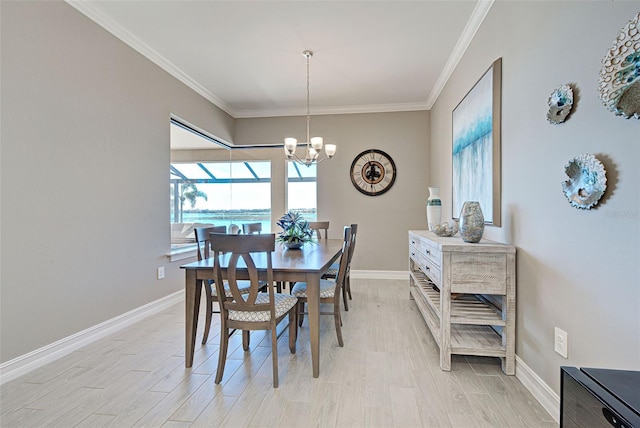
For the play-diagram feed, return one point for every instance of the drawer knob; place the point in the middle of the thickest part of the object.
(426, 267)
(428, 252)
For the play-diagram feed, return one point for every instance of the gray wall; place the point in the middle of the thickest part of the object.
(382, 220)
(85, 150)
(577, 269)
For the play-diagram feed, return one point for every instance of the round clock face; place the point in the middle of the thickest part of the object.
(373, 172)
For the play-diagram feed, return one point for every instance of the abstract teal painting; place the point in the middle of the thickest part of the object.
(476, 147)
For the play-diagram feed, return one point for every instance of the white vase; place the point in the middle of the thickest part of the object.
(434, 208)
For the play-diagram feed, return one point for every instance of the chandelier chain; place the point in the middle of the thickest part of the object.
(308, 96)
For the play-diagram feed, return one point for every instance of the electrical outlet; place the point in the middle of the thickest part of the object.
(161, 272)
(560, 341)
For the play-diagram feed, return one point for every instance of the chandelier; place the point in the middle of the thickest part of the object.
(314, 145)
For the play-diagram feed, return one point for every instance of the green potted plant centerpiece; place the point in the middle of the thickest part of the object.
(295, 230)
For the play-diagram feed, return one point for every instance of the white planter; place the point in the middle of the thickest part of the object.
(434, 208)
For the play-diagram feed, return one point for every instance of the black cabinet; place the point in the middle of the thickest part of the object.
(593, 398)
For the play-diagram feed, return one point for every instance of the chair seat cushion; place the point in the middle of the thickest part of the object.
(243, 286)
(332, 272)
(327, 289)
(283, 303)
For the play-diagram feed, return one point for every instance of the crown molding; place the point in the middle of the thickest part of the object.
(372, 108)
(91, 12)
(473, 24)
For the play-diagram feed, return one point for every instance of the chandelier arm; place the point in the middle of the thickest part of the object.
(304, 162)
(322, 159)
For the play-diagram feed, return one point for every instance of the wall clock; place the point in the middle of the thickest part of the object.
(373, 172)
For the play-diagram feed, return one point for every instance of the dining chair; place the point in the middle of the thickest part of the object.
(332, 272)
(234, 229)
(251, 228)
(330, 290)
(202, 239)
(255, 310)
(318, 227)
(203, 246)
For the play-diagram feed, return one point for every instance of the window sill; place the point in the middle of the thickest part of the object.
(182, 252)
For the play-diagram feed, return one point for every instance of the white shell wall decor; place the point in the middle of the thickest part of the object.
(587, 181)
(560, 104)
(619, 85)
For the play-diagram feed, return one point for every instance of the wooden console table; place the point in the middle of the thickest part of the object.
(466, 294)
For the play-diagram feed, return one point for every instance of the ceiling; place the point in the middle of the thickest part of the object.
(246, 56)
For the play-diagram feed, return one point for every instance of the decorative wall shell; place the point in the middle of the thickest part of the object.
(587, 181)
(619, 85)
(560, 104)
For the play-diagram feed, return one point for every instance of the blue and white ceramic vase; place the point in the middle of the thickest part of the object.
(471, 222)
(434, 208)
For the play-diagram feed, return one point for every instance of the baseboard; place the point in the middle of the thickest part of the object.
(379, 274)
(539, 389)
(47, 354)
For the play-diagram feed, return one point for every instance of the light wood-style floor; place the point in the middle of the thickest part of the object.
(387, 375)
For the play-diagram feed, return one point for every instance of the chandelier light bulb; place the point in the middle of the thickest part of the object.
(316, 143)
(290, 146)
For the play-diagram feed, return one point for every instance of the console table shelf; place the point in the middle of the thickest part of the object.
(466, 295)
(465, 309)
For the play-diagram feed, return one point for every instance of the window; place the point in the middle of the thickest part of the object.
(219, 189)
(301, 190)
(220, 193)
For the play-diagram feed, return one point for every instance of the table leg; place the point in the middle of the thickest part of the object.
(193, 291)
(313, 303)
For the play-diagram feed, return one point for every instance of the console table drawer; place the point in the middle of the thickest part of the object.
(414, 253)
(475, 273)
(425, 264)
(432, 253)
(432, 270)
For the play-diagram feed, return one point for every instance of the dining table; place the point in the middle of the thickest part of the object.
(306, 264)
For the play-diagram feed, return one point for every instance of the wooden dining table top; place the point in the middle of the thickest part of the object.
(312, 257)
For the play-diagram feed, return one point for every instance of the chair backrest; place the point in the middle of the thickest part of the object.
(352, 248)
(251, 228)
(344, 261)
(234, 229)
(318, 227)
(202, 239)
(239, 250)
